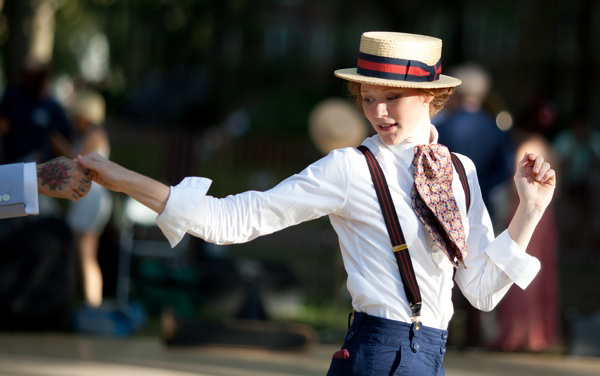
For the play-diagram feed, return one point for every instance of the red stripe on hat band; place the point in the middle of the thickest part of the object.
(392, 68)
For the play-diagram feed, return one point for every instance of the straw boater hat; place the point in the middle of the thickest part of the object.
(399, 60)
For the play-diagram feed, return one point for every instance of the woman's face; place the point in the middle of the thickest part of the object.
(397, 114)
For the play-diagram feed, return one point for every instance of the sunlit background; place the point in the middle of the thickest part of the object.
(226, 89)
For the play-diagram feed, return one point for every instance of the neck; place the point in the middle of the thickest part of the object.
(425, 133)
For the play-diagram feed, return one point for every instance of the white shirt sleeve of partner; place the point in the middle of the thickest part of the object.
(183, 206)
(318, 190)
(493, 265)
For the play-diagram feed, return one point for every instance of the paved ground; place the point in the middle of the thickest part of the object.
(71, 355)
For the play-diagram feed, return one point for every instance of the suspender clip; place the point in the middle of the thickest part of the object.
(417, 322)
(416, 314)
(416, 309)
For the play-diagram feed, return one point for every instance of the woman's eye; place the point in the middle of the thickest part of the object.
(367, 100)
(393, 97)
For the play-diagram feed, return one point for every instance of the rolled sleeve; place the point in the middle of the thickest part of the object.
(519, 266)
(493, 263)
(183, 206)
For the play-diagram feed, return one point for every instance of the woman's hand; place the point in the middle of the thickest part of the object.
(117, 178)
(105, 172)
(535, 181)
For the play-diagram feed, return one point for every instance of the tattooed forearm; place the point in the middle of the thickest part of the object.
(54, 174)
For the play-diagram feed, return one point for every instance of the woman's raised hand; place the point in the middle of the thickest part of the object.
(535, 180)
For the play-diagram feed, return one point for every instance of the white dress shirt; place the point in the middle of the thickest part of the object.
(339, 185)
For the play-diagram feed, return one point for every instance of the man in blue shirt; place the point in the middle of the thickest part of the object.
(467, 128)
(29, 117)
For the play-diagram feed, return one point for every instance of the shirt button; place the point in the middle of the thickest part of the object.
(442, 350)
(444, 335)
(6, 197)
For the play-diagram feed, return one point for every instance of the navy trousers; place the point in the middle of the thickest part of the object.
(378, 347)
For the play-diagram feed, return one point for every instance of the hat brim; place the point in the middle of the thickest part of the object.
(350, 74)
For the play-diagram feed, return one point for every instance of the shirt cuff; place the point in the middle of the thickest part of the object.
(519, 266)
(30, 188)
(183, 206)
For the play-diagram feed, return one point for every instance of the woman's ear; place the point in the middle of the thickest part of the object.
(427, 98)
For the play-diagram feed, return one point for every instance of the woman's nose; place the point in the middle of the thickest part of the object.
(381, 110)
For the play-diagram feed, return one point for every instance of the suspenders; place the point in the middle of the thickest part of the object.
(392, 224)
(462, 175)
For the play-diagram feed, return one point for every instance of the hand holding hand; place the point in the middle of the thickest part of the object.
(63, 178)
(535, 180)
(103, 171)
(117, 178)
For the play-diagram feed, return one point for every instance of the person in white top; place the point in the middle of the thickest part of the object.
(89, 217)
(398, 87)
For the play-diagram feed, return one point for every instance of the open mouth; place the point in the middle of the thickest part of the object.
(387, 126)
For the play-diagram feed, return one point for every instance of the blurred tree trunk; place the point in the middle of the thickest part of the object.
(42, 29)
(31, 29)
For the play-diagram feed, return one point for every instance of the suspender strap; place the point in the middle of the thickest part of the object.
(399, 246)
(462, 175)
(390, 217)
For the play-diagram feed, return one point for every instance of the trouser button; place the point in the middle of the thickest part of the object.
(415, 347)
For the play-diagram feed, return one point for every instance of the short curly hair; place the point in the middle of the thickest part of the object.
(440, 97)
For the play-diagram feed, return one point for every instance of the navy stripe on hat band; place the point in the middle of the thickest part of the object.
(392, 76)
(397, 69)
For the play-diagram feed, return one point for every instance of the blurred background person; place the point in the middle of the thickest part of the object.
(37, 285)
(578, 147)
(466, 127)
(89, 216)
(30, 117)
(528, 320)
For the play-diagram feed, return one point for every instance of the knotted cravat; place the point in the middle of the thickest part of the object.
(434, 202)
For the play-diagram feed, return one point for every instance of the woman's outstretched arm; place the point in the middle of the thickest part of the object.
(147, 191)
